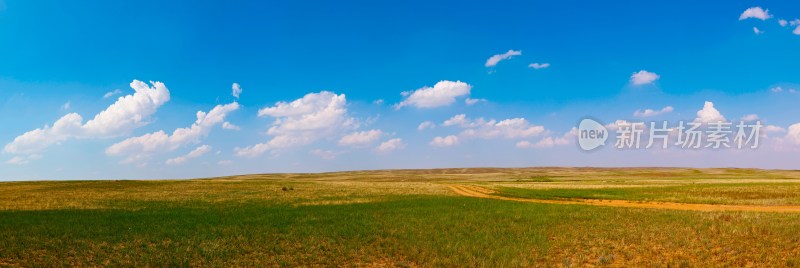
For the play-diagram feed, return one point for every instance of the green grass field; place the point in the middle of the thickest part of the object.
(405, 218)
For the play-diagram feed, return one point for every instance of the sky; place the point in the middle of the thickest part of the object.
(183, 89)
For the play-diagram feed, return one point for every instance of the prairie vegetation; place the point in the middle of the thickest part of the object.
(404, 218)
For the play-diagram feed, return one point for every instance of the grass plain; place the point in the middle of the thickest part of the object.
(405, 218)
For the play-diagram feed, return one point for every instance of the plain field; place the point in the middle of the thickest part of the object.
(407, 218)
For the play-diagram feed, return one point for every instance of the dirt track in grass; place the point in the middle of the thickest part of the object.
(480, 192)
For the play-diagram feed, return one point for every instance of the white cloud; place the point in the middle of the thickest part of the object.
(127, 113)
(508, 128)
(229, 126)
(796, 30)
(546, 142)
(197, 152)
(136, 147)
(793, 134)
(377, 102)
(756, 13)
(442, 94)
(470, 101)
(643, 77)
(140, 148)
(236, 90)
(779, 89)
(651, 112)
(325, 154)
(462, 121)
(709, 114)
(112, 93)
(23, 159)
(302, 121)
(66, 106)
(360, 138)
(426, 125)
(491, 129)
(549, 142)
(493, 60)
(757, 31)
(538, 66)
(456, 120)
(616, 124)
(444, 141)
(773, 129)
(749, 117)
(783, 22)
(391, 145)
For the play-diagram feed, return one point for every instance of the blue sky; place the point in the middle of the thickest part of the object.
(356, 58)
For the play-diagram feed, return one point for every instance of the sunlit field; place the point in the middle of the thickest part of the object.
(409, 218)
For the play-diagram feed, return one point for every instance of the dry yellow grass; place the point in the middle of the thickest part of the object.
(402, 218)
(361, 186)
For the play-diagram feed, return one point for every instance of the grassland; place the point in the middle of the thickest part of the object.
(404, 218)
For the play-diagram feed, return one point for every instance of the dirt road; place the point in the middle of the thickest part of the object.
(480, 192)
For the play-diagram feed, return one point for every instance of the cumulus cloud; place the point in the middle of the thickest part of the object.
(508, 128)
(480, 128)
(325, 154)
(197, 152)
(755, 13)
(783, 22)
(426, 125)
(444, 141)
(651, 112)
(23, 159)
(360, 138)
(538, 66)
(138, 149)
(782, 138)
(456, 120)
(757, 31)
(709, 114)
(229, 126)
(793, 134)
(461, 120)
(442, 94)
(112, 93)
(493, 60)
(470, 101)
(236, 90)
(619, 122)
(127, 113)
(750, 117)
(773, 129)
(390, 145)
(550, 141)
(302, 121)
(643, 77)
